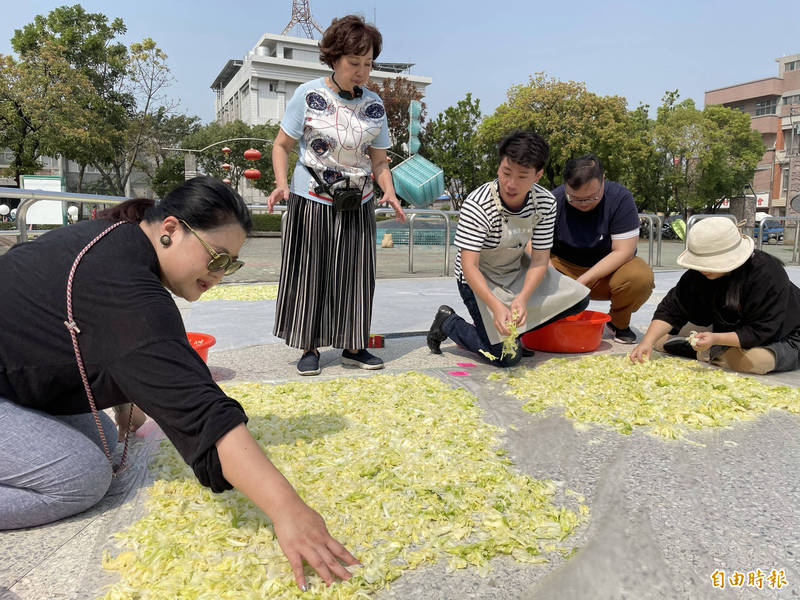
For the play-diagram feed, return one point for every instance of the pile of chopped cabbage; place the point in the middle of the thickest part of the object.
(669, 396)
(247, 293)
(402, 468)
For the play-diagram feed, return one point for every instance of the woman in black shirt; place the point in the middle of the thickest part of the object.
(106, 283)
(741, 301)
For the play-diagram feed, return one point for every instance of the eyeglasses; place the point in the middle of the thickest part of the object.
(218, 261)
(596, 197)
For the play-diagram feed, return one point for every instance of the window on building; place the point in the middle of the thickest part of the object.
(784, 180)
(273, 87)
(792, 66)
(766, 107)
(792, 99)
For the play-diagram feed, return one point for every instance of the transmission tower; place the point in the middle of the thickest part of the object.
(301, 15)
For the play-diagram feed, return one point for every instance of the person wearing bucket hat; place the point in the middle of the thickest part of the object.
(740, 300)
(88, 322)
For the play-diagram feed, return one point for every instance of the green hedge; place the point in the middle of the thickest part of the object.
(267, 222)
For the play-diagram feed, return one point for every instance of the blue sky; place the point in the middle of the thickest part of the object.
(633, 49)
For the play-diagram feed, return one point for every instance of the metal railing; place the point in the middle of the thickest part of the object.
(784, 221)
(411, 215)
(654, 222)
(29, 197)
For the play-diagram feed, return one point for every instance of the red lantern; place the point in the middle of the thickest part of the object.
(252, 173)
(252, 154)
(226, 166)
(226, 150)
(227, 181)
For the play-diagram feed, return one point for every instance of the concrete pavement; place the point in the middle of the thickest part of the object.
(665, 515)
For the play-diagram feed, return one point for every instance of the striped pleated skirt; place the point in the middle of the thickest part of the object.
(327, 276)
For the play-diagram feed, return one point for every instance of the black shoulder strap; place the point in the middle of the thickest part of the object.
(321, 188)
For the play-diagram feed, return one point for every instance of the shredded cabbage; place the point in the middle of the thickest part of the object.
(247, 293)
(402, 467)
(669, 396)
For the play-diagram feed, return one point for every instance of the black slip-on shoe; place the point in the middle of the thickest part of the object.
(435, 334)
(309, 363)
(361, 359)
(680, 347)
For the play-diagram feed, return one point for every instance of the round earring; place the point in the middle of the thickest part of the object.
(165, 240)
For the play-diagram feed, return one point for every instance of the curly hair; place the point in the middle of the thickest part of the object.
(349, 35)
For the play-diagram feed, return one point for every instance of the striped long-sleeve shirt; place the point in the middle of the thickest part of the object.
(480, 223)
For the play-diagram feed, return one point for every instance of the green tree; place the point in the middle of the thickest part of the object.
(679, 134)
(168, 175)
(147, 77)
(732, 151)
(210, 161)
(573, 120)
(646, 165)
(42, 101)
(397, 94)
(451, 142)
(86, 44)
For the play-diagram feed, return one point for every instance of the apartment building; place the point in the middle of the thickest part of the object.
(773, 104)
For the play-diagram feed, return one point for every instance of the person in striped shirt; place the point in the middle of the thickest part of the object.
(504, 236)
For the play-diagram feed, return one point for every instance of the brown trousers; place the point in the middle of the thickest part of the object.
(628, 287)
(753, 360)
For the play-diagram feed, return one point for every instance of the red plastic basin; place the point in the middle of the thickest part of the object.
(579, 333)
(201, 342)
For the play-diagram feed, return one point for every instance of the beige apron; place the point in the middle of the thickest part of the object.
(506, 266)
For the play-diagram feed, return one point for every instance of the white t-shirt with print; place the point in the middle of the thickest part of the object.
(334, 138)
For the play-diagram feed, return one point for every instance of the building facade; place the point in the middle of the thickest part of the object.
(92, 182)
(773, 104)
(257, 88)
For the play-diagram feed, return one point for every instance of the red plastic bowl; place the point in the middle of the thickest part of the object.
(201, 342)
(579, 333)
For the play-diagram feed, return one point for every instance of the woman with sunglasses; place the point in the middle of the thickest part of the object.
(328, 252)
(87, 322)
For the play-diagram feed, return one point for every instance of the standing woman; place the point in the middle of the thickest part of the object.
(87, 322)
(741, 301)
(328, 254)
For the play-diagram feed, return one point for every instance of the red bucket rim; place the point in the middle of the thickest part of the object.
(200, 340)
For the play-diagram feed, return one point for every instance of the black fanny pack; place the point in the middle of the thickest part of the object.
(344, 198)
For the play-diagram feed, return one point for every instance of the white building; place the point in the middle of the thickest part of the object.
(257, 88)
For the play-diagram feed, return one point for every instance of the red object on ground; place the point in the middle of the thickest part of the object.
(226, 150)
(201, 342)
(579, 333)
(252, 154)
(252, 173)
(375, 341)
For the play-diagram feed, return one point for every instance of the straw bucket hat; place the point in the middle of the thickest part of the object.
(715, 245)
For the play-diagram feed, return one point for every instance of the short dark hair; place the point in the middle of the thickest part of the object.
(203, 202)
(349, 35)
(525, 148)
(579, 171)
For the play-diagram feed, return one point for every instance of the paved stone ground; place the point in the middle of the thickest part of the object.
(665, 515)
